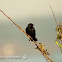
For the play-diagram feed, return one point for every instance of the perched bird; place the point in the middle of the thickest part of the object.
(30, 30)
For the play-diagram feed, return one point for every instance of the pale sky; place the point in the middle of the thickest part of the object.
(23, 8)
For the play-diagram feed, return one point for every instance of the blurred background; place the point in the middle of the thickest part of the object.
(14, 42)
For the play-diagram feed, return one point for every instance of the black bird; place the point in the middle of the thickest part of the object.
(30, 30)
